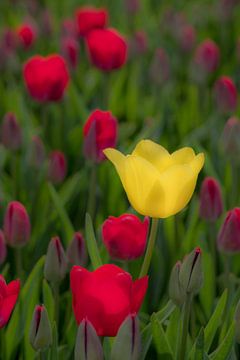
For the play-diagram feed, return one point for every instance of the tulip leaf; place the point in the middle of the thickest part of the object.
(92, 244)
(54, 347)
(215, 321)
(225, 348)
(127, 344)
(173, 328)
(160, 338)
(207, 292)
(48, 300)
(199, 348)
(20, 321)
(68, 227)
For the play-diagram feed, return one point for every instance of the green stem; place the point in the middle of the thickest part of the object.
(55, 288)
(212, 245)
(150, 247)
(185, 325)
(2, 344)
(41, 355)
(91, 207)
(234, 188)
(18, 262)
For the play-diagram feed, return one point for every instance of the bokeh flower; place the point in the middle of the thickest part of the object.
(89, 18)
(8, 296)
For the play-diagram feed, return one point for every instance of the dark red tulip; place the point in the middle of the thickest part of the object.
(207, 56)
(3, 248)
(27, 35)
(225, 94)
(211, 204)
(100, 132)
(76, 251)
(70, 50)
(17, 225)
(107, 49)
(228, 240)
(105, 296)
(125, 237)
(89, 18)
(11, 133)
(46, 78)
(57, 167)
(8, 296)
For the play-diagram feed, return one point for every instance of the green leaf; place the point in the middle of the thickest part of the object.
(199, 348)
(21, 318)
(48, 300)
(160, 338)
(207, 292)
(173, 328)
(92, 243)
(59, 206)
(215, 321)
(224, 349)
(54, 348)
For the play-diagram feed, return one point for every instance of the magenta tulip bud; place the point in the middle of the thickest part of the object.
(40, 335)
(225, 94)
(191, 273)
(207, 56)
(76, 251)
(187, 38)
(228, 240)
(17, 226)
(231, 138)
(211, 204)
(37, 152)
(56, 261)
(57, 167)
(11, 134)
(3, 248)
(70, 51)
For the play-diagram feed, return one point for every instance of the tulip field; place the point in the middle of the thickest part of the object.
(119, 180)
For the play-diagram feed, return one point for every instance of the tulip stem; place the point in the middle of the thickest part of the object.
(2, 344)
(41, 355)
(184, 327)
(91, 207)
(18, 262)
(55, 288)
(148, 254)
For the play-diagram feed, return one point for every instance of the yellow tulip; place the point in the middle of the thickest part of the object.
(158, 184)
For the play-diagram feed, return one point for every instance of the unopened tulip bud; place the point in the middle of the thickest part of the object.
(88, 345)
(57, 167)
(191, 273)
(211, 204)
(40, 330)
(138, 43)
(228, 240)
(3, 248)
(231, 138)
(11, 134)
(17, 226)
(70, 50)
(56, 261)
(187, 38)
(175, 290)
(207, 56)
(37, 152)
(76, 251)
(127, 344)
(225, 94)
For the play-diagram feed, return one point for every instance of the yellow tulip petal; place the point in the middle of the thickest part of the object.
(178, 183)
(154, 153)
(118, 160)
(183, 156)
(140, 178)
(197, 163)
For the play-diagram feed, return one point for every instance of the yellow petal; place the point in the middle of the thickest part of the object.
(183, 156)
(118, 160)
(154, 153)
(197, 163)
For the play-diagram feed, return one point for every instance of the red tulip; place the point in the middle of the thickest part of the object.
(228, 240)
(70, 50)
(17, 225)
(46, 78)
(211, 204)
(89, 18)
(27, 35)
(8, 297)
(57, 167)
(125, 236)
(105, 296)
(107, 49)
(207, 56)
(225, 94)
(100, 132)
(3, 248)
(11, 134)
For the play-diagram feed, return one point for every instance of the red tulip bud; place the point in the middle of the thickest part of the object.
(89, 18)
(69, 28)
(138, 43)
(57, 167)
(40, 331)
(70, 50)
(228, 240)
(100, 132)
(56, 261)
(211, 204)
(125, 236)
(225, 94)
(16, 225)
(187, 38)
(27, 35)
(47, 23)
(76, 251)
(11, 134)
(231, 138)
(3, 248)
(207, 56)
(191, 273)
